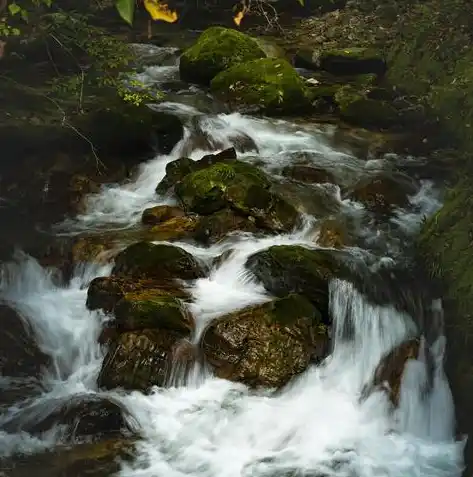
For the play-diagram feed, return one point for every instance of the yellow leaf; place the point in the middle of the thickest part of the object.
(239, 16)
(160, 11)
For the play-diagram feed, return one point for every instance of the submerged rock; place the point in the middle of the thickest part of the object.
(139, 359)
(266, 345)
(285, 269)
(157, 261)
(216, 50)
(92, 460)
(271, 85)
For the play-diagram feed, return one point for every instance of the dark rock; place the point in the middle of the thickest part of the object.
(157, 261)
(139, 360)
(266, 345)
(175, 172)
(309, 174)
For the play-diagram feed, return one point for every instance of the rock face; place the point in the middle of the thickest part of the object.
(388, 374)
(162, 262)
(285, 269)
(216, 50)
(266, 345)
(270, 85)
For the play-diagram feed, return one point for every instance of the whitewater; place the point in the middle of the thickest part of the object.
(320, 425)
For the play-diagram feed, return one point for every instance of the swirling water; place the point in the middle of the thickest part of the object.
(207, 427)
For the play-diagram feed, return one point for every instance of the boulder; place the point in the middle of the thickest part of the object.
(151, 309)
(176, 228)
(309, 174)
(139, 360)
(384, 192)
(270, 85)
(389, 372)
(157, 261)
(243, 188)
(212, 228)
(285, 269)
(90, 250)
(85, 418)
(343, 61)
(96, 459)
(333, 234)
(357, 108)
(216, 50)
(105, 292)
(20, 356)
(160, 213)
(266, 345)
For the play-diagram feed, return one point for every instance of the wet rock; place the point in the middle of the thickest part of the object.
(214, 227)
(285, 269)
(270, 85)
(158, 261)
(384, 192)
(139, 360)
(151, 309)
(216, 50)
(83, 417)
(177, 228)
(105, 292)
(91, 250)
(343, 61)
(161, 213)
(240, 186)
(91, 459)
(389, 372)
(20, 355)
(309, 174)
(266, 345)
(333, 234)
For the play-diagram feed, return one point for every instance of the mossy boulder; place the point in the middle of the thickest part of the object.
(240, 186)
(105, 292)
(357, 108)
(266, 345)
(216, 50)
(212, 228)
(151, 309)
(160, 213)
(158, 261)
(139, 360)
(384, 192)
(270, 85)
(285, 269)
(389, 372)
(343, 61)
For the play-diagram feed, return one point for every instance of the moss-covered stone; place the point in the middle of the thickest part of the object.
(271, 85)
(151, 309)
(266, 345)
(285, 269)
(352, 61)
(158, 261)
(216, 50)
(357, 108)
(175, 172)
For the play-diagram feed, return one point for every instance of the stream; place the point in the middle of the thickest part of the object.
(203, 426)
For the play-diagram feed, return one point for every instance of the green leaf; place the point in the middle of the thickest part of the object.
(126, 9)
(24, 15)
(14, 8)
(48, 3)
(301, 2)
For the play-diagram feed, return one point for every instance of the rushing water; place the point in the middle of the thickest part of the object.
(207, 427)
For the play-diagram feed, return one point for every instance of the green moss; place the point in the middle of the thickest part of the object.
(353, 53)
(287, 310)
(271, 84)
(149, 309)
(216, 50)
